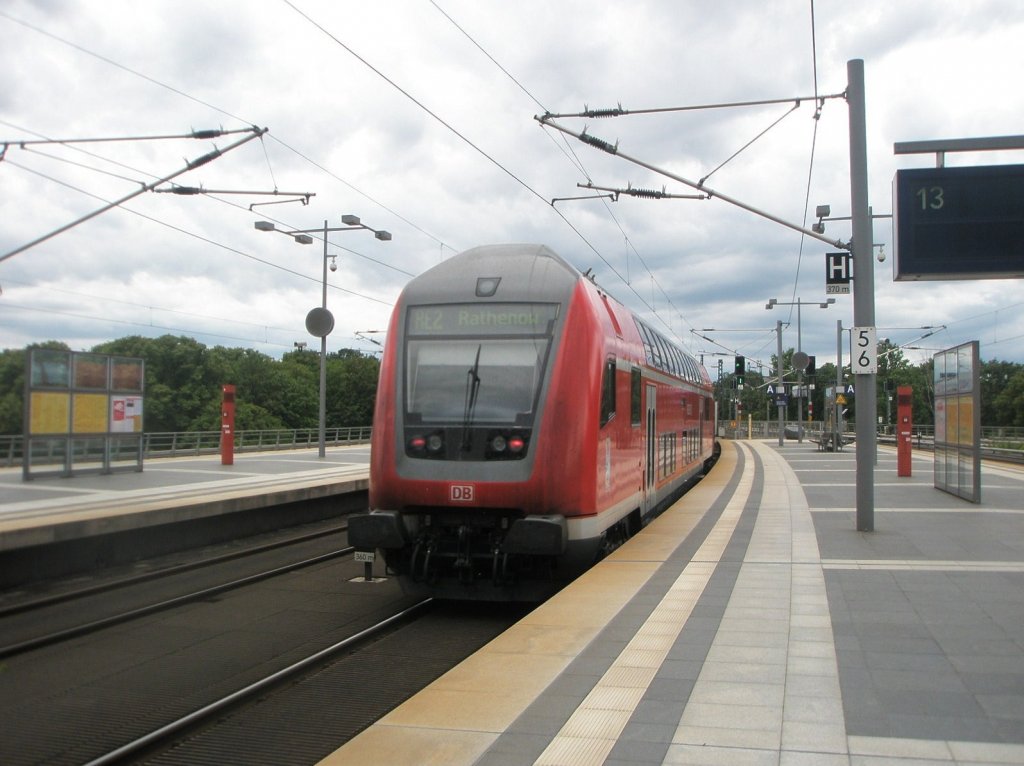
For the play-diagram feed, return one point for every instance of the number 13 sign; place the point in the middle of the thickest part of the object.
(864, 350)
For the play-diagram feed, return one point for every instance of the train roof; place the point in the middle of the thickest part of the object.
(523, 269)
(539, 272)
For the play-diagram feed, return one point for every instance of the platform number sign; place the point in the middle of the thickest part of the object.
(864, 350)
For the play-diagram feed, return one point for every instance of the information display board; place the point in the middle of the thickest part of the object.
(958, 421)
(958, 223)
(83, 413)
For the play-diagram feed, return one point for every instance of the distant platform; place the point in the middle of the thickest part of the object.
(48, 510)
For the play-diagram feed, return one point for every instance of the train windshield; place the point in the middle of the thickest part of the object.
(479, 363)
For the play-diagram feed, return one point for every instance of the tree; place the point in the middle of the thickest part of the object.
(1009, 402)
(995, 377)
(181, 384)
(351, 388)
(12, 387)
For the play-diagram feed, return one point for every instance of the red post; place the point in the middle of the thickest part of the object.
(227, 426)
(904, 418)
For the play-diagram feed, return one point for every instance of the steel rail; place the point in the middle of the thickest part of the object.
(166, 732)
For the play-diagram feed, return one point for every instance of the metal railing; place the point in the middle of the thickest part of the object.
(995, 440)
(1003, 442)
(185, 443)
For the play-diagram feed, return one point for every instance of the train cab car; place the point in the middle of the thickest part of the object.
(525, 424)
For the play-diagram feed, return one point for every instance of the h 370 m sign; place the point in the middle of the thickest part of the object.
(864, 350)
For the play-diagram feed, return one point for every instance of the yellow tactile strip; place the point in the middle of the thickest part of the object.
(455, 719)
(592, 731)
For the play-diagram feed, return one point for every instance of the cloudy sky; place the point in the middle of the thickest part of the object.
(418, 116)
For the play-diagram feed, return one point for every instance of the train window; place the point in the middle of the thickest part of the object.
(608, 392)
(635, 408)
(661, 351)
(660, 356)
(648, 338)
(505, 374)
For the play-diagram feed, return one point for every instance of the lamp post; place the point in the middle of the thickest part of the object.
(320, 321)
(800, 359)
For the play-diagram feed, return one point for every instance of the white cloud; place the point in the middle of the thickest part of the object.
(932, 71)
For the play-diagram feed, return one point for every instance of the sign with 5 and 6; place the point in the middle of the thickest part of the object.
(864, 350)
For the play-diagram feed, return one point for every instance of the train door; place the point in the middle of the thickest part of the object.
(651, 467)
(702, 434)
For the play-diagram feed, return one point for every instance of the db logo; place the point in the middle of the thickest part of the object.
(461, 493)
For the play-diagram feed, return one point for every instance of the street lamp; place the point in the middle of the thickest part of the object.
(800, 359)
(320, 321)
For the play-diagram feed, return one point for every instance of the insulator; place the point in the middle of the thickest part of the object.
(650, 193)
(599, 143)
(207, 133)
(598, 113)
(208, 157)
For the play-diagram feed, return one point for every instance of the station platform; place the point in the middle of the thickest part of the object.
(47, 510)
(752, 624)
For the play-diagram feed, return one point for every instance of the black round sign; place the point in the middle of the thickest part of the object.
(319, 322)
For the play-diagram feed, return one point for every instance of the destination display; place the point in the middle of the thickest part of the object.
(482, 318)
(958, 223)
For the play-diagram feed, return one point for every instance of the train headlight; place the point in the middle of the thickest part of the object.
(417, 443)
(506, 444)
(434, 443)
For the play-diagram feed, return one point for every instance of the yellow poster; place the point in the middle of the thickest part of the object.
(90, 414)
(966, 425)
(49, 412)
(952, 420)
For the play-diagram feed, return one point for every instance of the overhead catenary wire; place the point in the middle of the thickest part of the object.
(137, 323)
(177, 91)
(575, 160)
(457, 133)
(560, 140)
(186, 95)
(221, 245)
(147, 307)
(189, 165)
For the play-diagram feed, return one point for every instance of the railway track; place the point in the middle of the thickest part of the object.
(303, 713)
(22, 635)
(88, 668)
(168, 736)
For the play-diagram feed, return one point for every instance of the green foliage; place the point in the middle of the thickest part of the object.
(1002, 389)
(351, 389)
(184, 382)
(1009, 402)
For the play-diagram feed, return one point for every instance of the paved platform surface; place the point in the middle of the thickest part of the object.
(752, 624)
(43, 510)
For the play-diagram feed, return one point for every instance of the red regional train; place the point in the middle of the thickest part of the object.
(526, 424)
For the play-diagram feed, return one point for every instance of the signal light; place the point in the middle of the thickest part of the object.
(503, 445)
(431, 444)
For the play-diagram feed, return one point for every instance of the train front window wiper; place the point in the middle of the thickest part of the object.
(472, 389)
